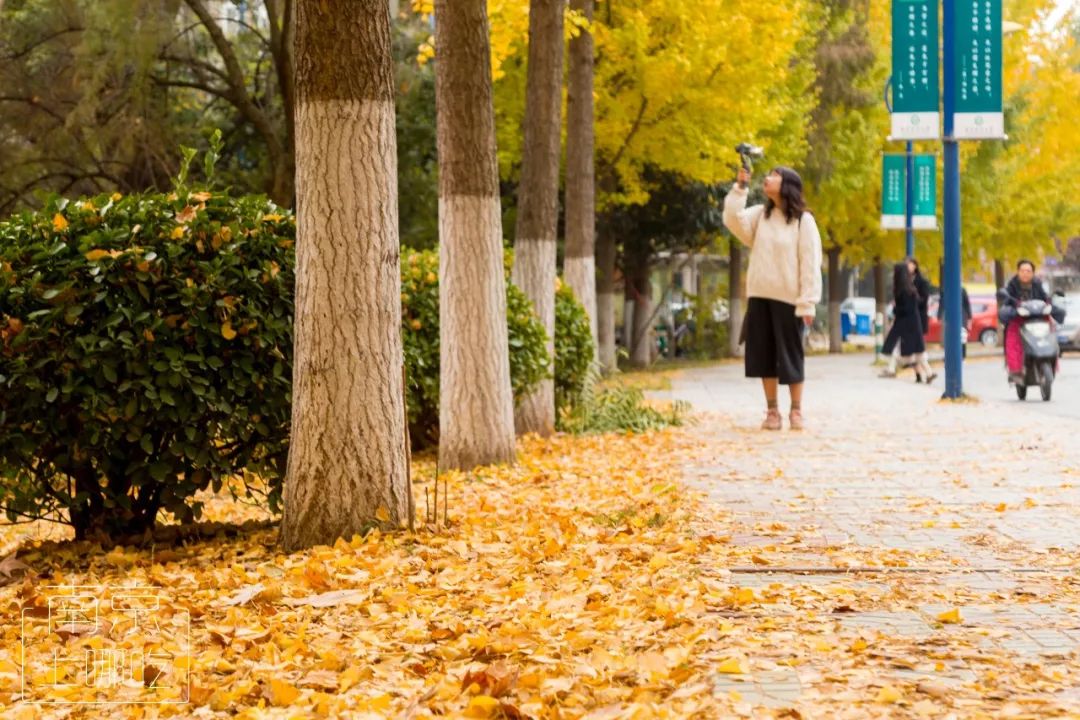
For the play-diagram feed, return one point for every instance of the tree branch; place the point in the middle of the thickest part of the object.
(234, 71)
(196, 64)
(39, 42)
(240, 97)
(223, 93)
(34, 103)
(633, 131)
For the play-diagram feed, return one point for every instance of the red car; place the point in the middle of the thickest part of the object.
(984, 322)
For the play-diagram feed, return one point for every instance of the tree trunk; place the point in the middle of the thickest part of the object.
(280, 157)
(999, 282)
(836, 292)
(605, 302)
(580, 263)
(881, 300)
(347, 458)
(538, 196)
(476, 404)
(639, 289)
(284, 60)
(735, 304)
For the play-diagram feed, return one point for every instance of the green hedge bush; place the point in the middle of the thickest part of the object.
(146, 354)
(529, 361)
(574, 348)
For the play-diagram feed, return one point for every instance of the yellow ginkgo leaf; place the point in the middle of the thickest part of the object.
(733, 666)
(482, 706)
(382, 514)
(858, 646)
(350, 677)
(59, 223)
(177, 233)
(381, 703)
(227, 331)
(743, 596)
(889, 694)
(951, 616)
(282, 694)
(95, 255)
(1001, 507)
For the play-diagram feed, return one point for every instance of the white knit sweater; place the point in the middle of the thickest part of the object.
(785, 258)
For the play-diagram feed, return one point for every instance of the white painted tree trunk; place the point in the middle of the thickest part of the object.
(580, 263)
(538, 196)
(476, 403)
(605, 305)
(347, 458)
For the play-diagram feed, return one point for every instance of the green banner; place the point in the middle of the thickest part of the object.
(977, 79)
(893, 195)
(915, 113)
(925, 217)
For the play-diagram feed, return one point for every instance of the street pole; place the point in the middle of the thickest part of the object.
(954, 382)
(909, 203)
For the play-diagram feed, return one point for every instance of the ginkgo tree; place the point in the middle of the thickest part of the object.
(673, 94)
(850, 123)
(1019, 194)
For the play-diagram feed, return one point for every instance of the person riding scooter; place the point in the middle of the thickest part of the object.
(1031, 356)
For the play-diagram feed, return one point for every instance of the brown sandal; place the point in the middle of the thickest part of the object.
(772, 420)
(796, 420)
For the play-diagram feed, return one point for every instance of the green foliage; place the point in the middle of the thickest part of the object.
(848, 128)
(574, 348)
(146, 354)
(617, 408)
(145, 347)
(529, 360)
(418, 172)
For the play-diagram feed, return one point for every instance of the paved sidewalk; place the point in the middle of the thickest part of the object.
(911, 507)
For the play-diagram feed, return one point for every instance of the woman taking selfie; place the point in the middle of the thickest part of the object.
(783, 284)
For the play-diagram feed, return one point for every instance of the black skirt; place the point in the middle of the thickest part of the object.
(774, 346)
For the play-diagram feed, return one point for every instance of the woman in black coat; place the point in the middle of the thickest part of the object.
(923, 289)
(907, 326)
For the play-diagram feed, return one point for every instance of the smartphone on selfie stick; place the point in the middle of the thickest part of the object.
(748, 153)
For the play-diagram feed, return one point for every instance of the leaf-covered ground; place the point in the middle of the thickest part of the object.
(589, 581)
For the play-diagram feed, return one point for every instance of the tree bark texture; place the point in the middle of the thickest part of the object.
(999, 282)
(881, 296)
(476, 404)
(836, 293)
(639, 290)
(538, 196)
(580, 261)
(347, 459)
(605, 302)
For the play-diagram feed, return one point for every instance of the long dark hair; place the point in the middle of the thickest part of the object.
(790, 193)
(902, 283)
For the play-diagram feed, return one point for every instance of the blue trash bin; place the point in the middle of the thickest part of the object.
(863, 325)
(845, 325)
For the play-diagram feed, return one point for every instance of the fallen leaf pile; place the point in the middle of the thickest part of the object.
(587, 581)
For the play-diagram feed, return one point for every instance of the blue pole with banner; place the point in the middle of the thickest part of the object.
(954, 368)
(909, 204)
